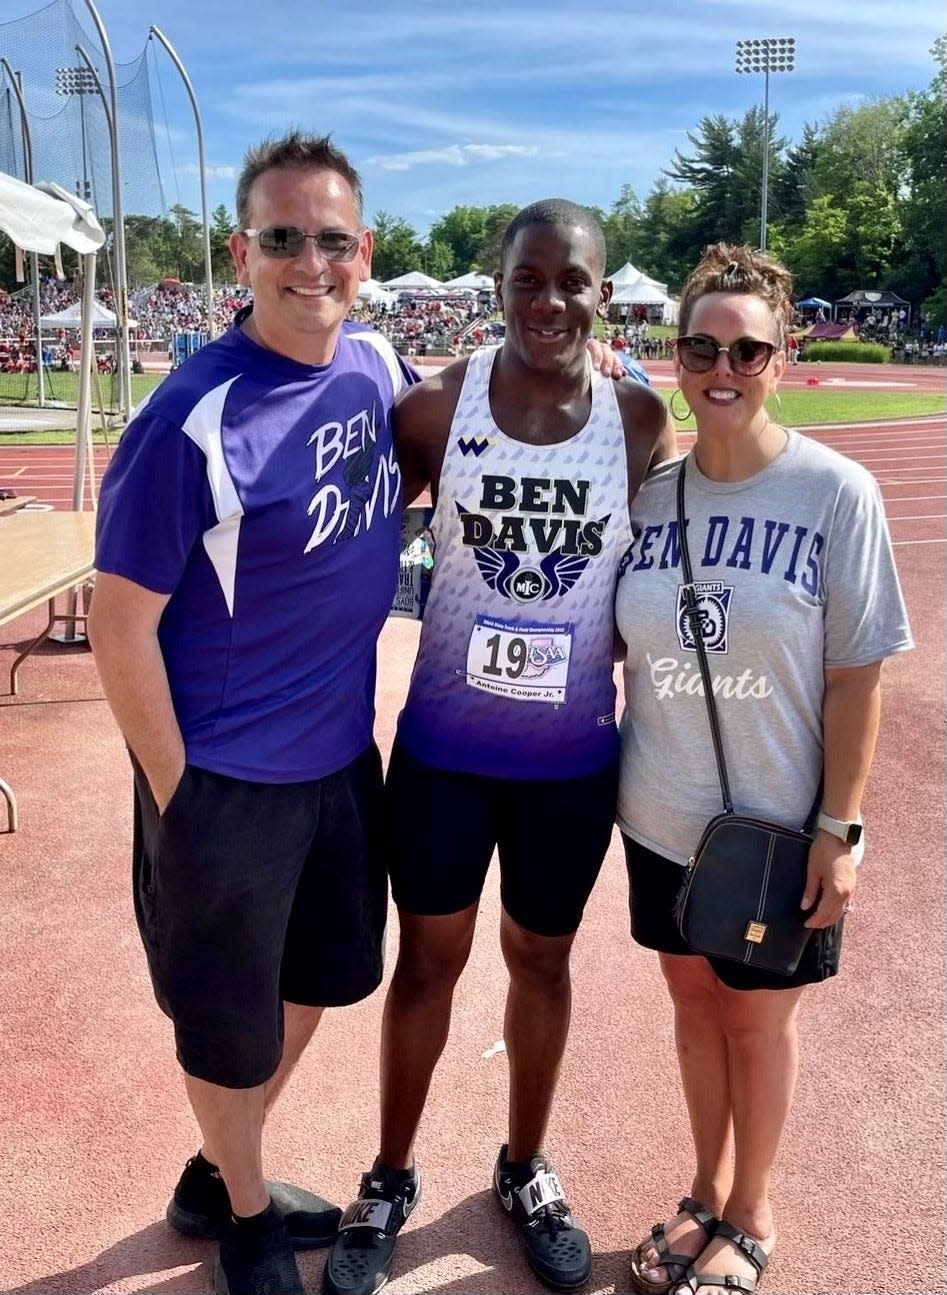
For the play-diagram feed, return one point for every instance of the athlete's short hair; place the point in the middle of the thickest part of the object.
(294, 149)
(737, 267)
(555, 211)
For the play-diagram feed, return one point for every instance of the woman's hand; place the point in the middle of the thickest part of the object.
(830, 879)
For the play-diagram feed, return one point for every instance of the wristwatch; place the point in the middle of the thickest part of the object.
(849, 832)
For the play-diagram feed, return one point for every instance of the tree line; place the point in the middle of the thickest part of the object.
(858, 201)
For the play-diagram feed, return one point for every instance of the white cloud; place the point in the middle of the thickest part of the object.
(453, 155)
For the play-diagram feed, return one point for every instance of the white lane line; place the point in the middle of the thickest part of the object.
(899, 469)
(864, 382)
(917, 517)
(879, 457)
(880, 447)
(897, 544)
(888, 442)
(916, 482)
(931, 422)
(911, 499)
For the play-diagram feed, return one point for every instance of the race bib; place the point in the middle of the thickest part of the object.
(523, 662)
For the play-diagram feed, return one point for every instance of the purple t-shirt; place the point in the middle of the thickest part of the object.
(264, 496)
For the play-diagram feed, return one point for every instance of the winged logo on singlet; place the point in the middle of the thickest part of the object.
(504, 572)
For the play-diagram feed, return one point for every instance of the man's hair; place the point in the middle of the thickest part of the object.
(555, 211)
(295, 149)
(736, 267)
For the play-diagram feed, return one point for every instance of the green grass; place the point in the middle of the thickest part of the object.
(20, 388)
(813, 406)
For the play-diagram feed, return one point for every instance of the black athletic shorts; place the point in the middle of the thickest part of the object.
(248, 894)
(654, 883)
(442, 827)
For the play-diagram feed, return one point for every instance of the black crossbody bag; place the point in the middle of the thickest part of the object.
(741, 892)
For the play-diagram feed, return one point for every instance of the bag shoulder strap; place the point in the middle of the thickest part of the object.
(693, 619)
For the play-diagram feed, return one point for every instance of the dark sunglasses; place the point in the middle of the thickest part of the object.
(285, 241)
(747, 355)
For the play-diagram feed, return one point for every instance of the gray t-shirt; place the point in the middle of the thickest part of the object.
(795, 573)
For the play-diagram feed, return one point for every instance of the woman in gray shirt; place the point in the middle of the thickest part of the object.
(799, 603)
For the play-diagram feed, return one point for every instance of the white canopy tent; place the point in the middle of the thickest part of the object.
(38, 218)
(645, 292)
(414, 279)
(628, 274)
(372, 291)
(71, 317)
(479, 282)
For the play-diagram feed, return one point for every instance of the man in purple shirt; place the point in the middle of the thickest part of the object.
(247, 553)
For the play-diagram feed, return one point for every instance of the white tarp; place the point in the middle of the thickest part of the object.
(38, 221)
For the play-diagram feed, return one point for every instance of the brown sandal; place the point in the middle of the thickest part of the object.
(729, 1282)
(682, 1264)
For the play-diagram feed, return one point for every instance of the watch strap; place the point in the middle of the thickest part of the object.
(849, 831)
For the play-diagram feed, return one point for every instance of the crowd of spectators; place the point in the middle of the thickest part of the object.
(159, 311)
(427, 324)
(416, 324)
(637, 341)
(170, 307)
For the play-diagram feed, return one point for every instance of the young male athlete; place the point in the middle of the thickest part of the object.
(247, 550)
(508, 735)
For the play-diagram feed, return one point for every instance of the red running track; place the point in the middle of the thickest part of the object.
(95, 1127)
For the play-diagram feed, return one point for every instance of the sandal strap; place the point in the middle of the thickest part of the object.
(699, 1213)
(722, 1281)
(751, 1248)
(665, 1257)
(679, 1263)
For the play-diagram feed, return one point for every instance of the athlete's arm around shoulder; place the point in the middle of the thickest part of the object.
(650, 437)
(422, 420)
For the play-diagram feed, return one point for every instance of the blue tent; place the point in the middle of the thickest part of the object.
(813, 303)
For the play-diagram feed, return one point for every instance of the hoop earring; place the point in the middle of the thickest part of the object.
(679, 418)
(779, 403)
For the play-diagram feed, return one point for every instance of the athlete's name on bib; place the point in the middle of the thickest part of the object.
(534, 495)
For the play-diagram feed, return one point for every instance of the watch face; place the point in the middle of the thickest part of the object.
(854, 834)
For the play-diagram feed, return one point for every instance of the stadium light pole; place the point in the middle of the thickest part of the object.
(99, 88)
(16, 81)
(208, 271)
(78, 81)
(123, 354)
(774, 54)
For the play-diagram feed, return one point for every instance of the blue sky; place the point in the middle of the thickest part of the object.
(440, 104)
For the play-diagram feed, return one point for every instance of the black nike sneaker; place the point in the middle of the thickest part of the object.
(360, 1261)
(557, 1249)
(200, 1207)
